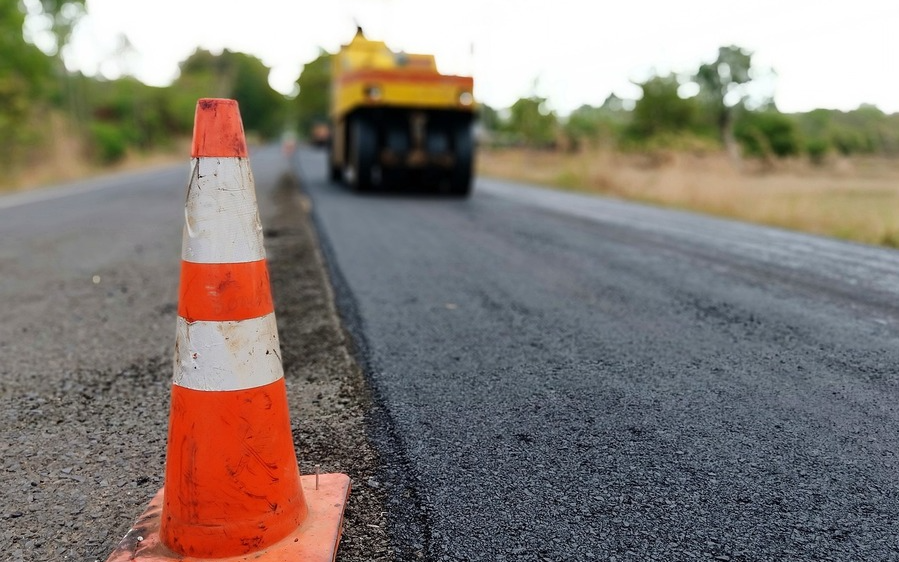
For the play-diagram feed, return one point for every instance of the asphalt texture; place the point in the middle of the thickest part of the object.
(89, 289)
(562, 377)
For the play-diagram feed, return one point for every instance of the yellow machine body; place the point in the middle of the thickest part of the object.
(396, 120)
(367, 73)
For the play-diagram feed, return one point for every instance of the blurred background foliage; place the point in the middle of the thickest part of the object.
(709, 110)
(715, 108)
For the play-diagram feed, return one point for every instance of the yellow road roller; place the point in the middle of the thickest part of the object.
(396, 122)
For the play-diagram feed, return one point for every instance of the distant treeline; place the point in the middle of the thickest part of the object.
(681, 124)
(40, 100)
(719, 114)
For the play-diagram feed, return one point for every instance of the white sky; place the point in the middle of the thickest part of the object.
(826, 53)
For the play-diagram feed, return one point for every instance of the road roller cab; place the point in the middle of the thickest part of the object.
(397, 122)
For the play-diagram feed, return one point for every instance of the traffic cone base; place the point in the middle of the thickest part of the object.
(315, 540)
(230, 496)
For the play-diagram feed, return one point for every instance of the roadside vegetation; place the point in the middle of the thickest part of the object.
(56, 124)
(711, 140)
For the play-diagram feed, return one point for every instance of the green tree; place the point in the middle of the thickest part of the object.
(59, 20)
(596, 125)
(532, 123)
(489, 118)
(583, 125)
(24, 74)
(127, 114)
(233, 75)
(202, 75)
(865, 130)
(21, 63)
(768, 133)
(314, 88)
(214, 73)
(261, 107)
(661, 110)
(722, 89)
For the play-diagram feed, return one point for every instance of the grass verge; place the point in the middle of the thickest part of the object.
(854, 199)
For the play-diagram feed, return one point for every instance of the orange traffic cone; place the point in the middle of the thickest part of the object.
(232, 487)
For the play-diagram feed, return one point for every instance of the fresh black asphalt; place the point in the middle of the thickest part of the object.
(564, 377)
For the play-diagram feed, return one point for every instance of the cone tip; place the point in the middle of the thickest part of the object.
(218, 130)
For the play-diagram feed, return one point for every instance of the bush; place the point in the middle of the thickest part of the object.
(110, 142)
(661, 110)
(767, 133)
(677, 142)
(817, 150)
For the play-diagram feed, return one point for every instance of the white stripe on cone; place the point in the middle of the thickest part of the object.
(221, 217)
(231, 355)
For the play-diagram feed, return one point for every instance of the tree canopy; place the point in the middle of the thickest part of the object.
(25, 72)
(722, 89)
(661, 109)
(313, 87)
(531, 122)
(238, 76)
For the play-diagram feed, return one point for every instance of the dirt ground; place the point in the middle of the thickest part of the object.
(316, 357)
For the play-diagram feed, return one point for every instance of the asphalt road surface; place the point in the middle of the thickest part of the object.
(544, 376)
(559, 377)
(89, 287)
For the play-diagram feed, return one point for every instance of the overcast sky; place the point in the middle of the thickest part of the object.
(825, 53)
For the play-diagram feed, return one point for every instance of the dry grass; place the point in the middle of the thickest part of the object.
(855, 199)
(63, 160)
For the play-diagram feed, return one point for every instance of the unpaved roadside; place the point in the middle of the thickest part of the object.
(327, 392)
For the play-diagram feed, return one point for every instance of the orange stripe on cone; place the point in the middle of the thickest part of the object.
(218, 130)
(224, 291)
(231, 478)
(233, 491)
